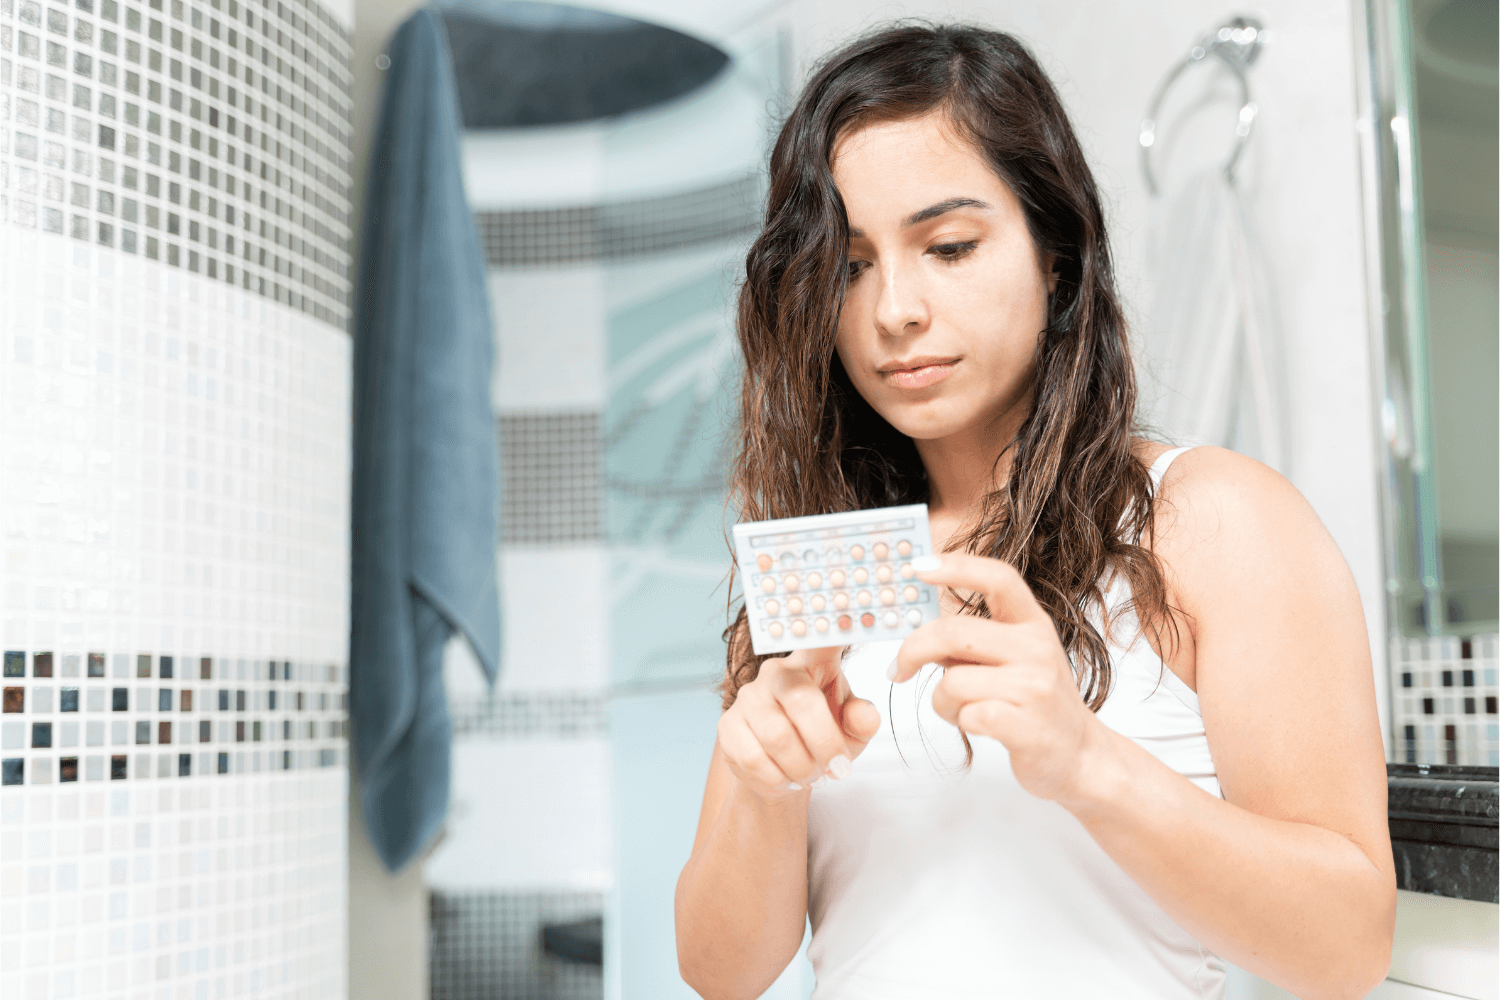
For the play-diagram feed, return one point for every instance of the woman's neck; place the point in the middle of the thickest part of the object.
(963, 468)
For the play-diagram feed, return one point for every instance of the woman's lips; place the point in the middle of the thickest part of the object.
(922, 376)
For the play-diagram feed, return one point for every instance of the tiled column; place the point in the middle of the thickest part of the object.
(174, 448)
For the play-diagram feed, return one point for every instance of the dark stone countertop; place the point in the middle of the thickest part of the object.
(1444, 822)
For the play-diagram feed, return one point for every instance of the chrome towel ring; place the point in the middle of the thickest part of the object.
(1236, 45)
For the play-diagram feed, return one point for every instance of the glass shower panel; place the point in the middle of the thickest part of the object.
(1429, 92)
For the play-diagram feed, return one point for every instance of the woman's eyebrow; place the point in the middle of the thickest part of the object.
(931, 212)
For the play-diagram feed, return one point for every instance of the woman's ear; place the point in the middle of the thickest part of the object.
(1050, 265)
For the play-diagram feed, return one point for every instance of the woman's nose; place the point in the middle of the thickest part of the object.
(900, 307)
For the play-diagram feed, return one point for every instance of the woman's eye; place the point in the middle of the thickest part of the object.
(953, 251)
(856, 268)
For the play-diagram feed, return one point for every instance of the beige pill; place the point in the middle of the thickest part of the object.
(763, 561)
(814, 581)
(818, 604)
(775, 629)
(836, 578)
(821, 624)
(861, 575)
(887, 596)
(841, 601)
(799, 627)
(790, 582)
(907, 572)
(794, 606)
(910, 593)
(863, 597)
(883, 574)
(856, 552)
(768, 585)
(881, 550)
(903, 547)
(774, 608)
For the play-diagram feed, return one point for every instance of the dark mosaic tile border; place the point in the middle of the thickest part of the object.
(488, 945)
(551, 478)
(534, 715)
(531, 237)
(165, 716)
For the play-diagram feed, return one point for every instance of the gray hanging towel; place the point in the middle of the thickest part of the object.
(425, 482)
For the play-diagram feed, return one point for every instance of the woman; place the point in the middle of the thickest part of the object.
(1143, 739)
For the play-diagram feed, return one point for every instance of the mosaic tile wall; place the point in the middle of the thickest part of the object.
(174, 429)
(1443, 700)
(213, 137)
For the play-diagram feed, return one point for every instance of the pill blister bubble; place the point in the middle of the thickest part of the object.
(790, 582)
(773, 607)
(818, 603)
(911, 595)
(913, 616)
(836, 578)
(883, 574)
(890, 619)
(841, 601)
(799, 627)
(881, 550)
(903, 547)
(863, 597)
(768, 585)
(763, 562)
(814, 581)
(861, 575)
(775, 629)
(887, 596)
(794, 606)
(907, 572)
(856, 552)
(821, 624)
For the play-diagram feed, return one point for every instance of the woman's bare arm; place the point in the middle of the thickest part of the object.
(742, 897)
(1291, 875)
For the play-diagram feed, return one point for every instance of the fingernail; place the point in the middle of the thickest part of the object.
(822, 780)
(792, 786)
(839, 767)
(890, 671)
(926, 564)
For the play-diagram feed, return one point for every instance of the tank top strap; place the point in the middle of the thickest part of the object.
(1162, 463)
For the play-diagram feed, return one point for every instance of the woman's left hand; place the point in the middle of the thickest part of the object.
(1008, 678)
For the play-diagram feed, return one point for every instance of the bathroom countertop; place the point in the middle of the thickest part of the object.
(1444, 822)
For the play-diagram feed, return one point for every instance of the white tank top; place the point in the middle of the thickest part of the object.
(927, 880)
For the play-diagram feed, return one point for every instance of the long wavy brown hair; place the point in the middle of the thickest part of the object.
(1077, 501)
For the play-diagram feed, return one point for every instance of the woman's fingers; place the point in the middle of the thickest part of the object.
(965, 639)
(780, 739)
(1019, 686)
(1004, 589)
(747, 758)
(806, 706)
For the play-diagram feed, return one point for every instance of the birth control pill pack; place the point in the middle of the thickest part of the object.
(834, 579)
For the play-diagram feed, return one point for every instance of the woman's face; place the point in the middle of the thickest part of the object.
(946, 296)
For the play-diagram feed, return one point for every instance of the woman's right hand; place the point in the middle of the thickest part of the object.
(794, 723)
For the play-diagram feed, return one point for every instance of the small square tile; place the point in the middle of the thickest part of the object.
(67, 769)
(96, 664)
(41, 735)
(13, 770)
(117, 767)
(41, 665)
(15, 663)
(15, 699)
(143, 665)
(67, 699)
